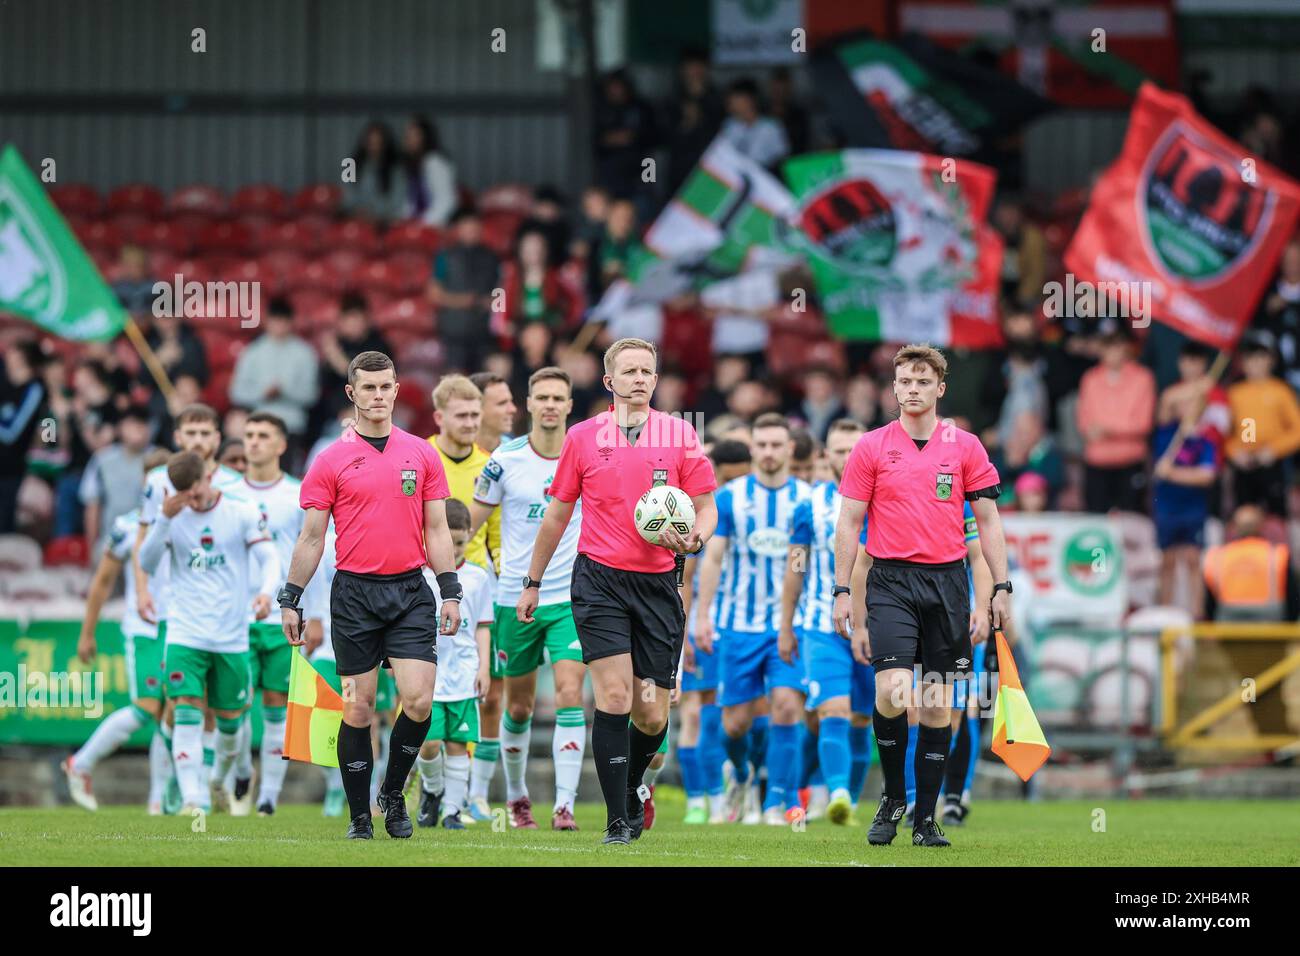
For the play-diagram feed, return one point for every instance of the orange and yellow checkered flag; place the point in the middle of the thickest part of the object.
(311, 729)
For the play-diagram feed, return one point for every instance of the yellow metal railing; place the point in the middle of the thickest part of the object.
(1186, 736)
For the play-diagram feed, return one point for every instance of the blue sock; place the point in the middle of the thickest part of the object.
(758, 743)
(738, 754)
(974, 724)
(808, 763)
(833, 751)
(711, 751)
(860, 751)
(782, 766)
(909, 774)
(689, 758)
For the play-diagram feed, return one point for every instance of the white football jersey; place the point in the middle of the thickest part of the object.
(458, 653)
(156, 486)
(121, 542)
(210, 571)
(278, 504)
(518, 480)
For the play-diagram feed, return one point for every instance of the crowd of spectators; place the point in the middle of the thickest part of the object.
(1078, 415)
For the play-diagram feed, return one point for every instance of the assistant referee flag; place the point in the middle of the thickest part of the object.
(1017, 738)
(311, 727)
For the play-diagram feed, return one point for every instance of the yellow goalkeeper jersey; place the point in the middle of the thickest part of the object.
(485, 547)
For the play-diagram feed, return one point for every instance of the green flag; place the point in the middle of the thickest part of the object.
(45, 275)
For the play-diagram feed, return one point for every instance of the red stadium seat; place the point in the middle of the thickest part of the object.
(354, 234)
(499, 232)
(322, 199)
(260, 200)
(507, 197)
(68, 550)
(77, 199)
(377, 275)
(344, 262)
(301, 235)
(217, 392)
(244, 270)
(198, 198)
(99, 234)
(409, 313)
(314, 274)
(137, 199)
(190, 269)
(314, 309)
(163, 235)
(228, 237)
(410, 272)
(412, 236)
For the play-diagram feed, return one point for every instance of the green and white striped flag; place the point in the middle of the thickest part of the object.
(729, 216)
(45, 275)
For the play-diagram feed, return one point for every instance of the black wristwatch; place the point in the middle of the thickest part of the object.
(1002, 586)
(840, 589)
(530, 583)
(289, 595)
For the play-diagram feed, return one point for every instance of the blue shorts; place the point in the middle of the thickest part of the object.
(1176, 530)
(750, 667)
(831, 672)
(705, 675)
(962, 688)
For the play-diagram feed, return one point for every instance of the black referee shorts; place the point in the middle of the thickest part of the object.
(375, 617)
(920, 613)
(629, 612)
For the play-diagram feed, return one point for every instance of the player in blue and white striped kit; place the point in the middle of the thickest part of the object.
(699, 728)
(747, 553)
(840, 690)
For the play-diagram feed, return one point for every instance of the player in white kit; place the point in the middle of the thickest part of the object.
(144, 671)
(517, 479)
(320, 650)
(275, 495)
(210, 539)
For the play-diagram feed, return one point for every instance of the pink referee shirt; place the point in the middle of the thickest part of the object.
(914, 497)
(609, 475)
(377, 499)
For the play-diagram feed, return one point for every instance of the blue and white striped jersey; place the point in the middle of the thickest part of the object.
(755, 520)
(813, 526)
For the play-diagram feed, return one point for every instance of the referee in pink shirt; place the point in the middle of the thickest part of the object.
(625, 600)
(386, 491)
(909, 479)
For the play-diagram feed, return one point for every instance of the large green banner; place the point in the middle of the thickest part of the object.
(48, 696)
(45, 275)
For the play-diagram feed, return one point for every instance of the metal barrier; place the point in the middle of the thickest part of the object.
(1186, 736)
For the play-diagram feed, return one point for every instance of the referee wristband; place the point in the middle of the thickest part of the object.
(289, 595)
(449, 588)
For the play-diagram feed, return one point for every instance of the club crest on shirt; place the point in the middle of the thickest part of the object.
(943, 487)
(408, 481)
(660, 476)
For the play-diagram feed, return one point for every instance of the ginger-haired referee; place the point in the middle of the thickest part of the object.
(625, 601)
(386, 491)
(909, 478)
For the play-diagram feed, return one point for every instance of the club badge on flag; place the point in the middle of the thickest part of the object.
(315, 711)
(45, 275)
(1017, 737)
(1193, 215)
(895, 243)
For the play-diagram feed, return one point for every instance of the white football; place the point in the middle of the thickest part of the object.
(661, 507)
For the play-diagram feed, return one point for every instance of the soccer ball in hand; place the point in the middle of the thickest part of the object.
(664, 506)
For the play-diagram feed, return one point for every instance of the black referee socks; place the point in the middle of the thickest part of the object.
(931, 755)
(891, 742)
(403, 747)
(959, 760)
(356, 764)
(609, 748)
(641, 750)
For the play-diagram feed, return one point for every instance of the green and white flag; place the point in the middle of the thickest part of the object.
(45, 275)
(729, 216)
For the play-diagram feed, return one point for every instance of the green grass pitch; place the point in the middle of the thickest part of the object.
(1137, 833)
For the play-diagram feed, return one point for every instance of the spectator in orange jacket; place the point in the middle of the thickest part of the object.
(1116, 411)
(1265, 430)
